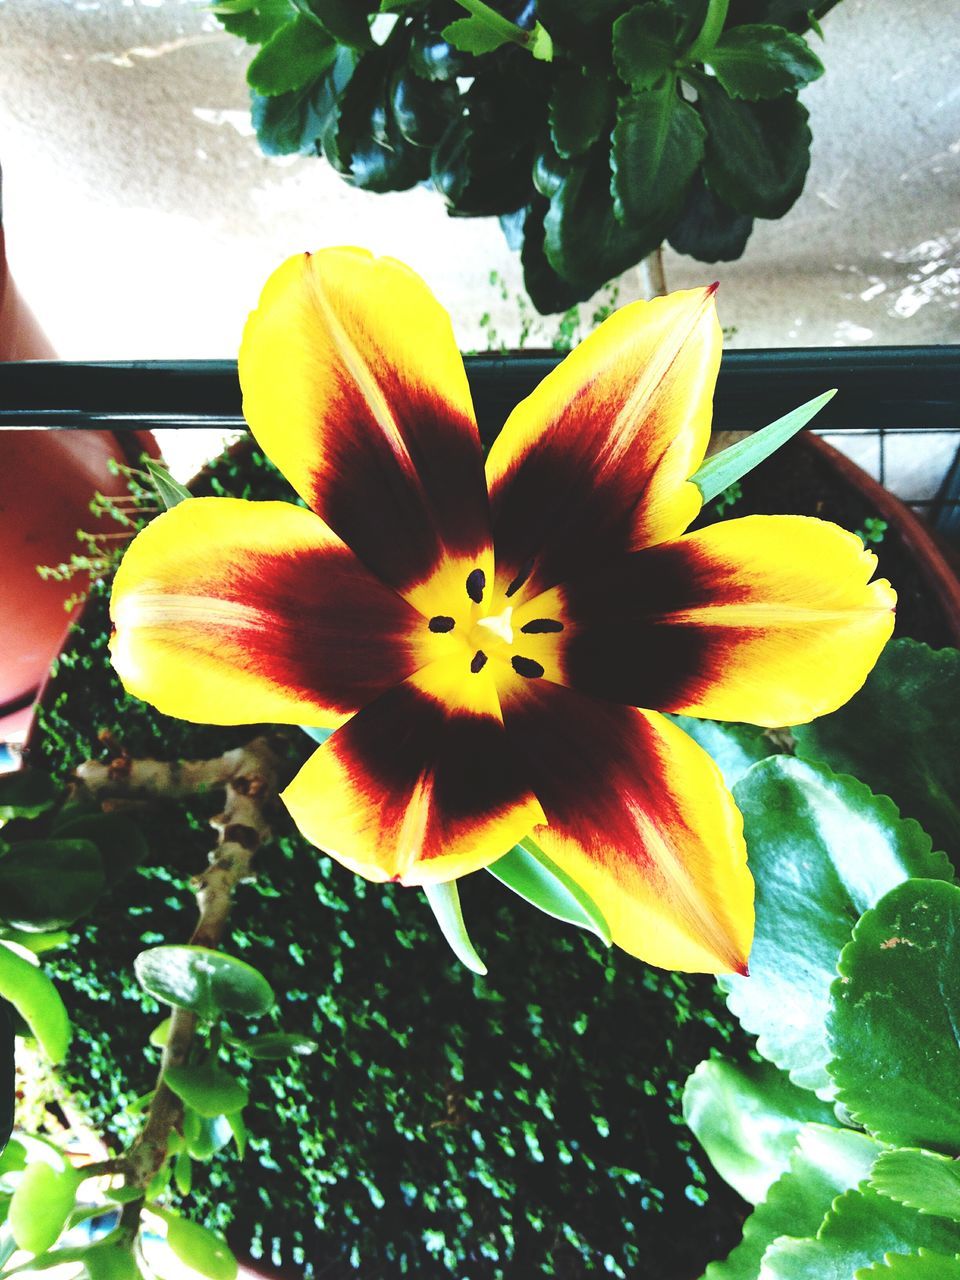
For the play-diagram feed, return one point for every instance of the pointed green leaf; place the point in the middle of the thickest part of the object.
(169, 491)
(45, 884)
(720, 471)
(757, 61)
(920, 1179)
(238, 1127)
(747, 1120)
(297, 54)
(444, 901)
(344, 20)
(541, 43)
(528, 871)
(895, 1014)
(207, 1088)
(656, 146)
(473, 35)
(579, 109)
(644, 40)
(37, 1001)
(207, 982)
(278, 1044)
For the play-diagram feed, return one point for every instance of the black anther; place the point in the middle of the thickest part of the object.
(442, 623)
(476, 581)
(526, 667)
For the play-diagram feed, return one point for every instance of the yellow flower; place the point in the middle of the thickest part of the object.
(489, 647)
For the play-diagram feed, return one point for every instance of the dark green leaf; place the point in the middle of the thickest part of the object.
(822, 848)
(26, 794)
(296, 55)
(119, 841)
(170, 492)
(207, 982)
(343, 20)
(473, 35)
(747, 1120)
(528, 871)
(894, 1018)
(913, 1266)
(644, 44)
(434, 58)
(763, 62)
(286, 123)
(757, 154)
(547, 291)
(277, 1045)
(916, 689)
(45, 884)
(656, 147)
(422, 109)
(255, 22)
(734, 747)
(444, 900)
(706, 228)
(366, 137)
(920, 1179)
(207, 1089)
(580, 110)
(825, 1163)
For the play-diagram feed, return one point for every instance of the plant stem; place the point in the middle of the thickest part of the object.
(710, 31)
(653, 280)
(496, 21)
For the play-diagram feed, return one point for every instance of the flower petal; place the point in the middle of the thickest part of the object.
(233, 612)
(639, 817)
(596, 461)
(771, 620)
(353, 384)
(419, 786)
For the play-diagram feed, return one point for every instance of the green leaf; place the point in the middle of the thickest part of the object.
(859, 1229)
(296, 54)
(41, 1205)
(547, 291)
(197, 1247)
(444, 900)
(422, 109)
(366, 137)
(170, 492)
(26, 793)
(762, 62)
(37, 1001)
(255, 22)
(822, 848)
(894, 1019)
(917, 689)
(205, 1136)
(529, 872)
(207, 982)
(657, 145)
(38, 943)
(183, 1172)
(913, 1266)
(473, 35)
(343, 20)
(733, 747)
(720, 471)
(540, 43)
(239, 1129)
(278, 1045)
(644, 44)
(579, 110)
(111, 1259)
(286, 124)
(45, 884)
(119, 841)
(747, 1120)
(706, 228)
(207, 1088)
(757, 154)
(825, 1163)
(920, 1179)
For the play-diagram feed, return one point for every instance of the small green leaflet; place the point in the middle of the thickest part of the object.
(444, 902)
(169, 491)
(720, 471)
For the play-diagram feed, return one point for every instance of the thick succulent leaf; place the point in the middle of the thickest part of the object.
(26, 794)
(657, 144)
(119, 841)
(822, 848)
(278, 1044)
(207, 982)
(201, 1250)
(644, 40)
(37, 1001)
(422, 109)
(901, 735)
(921, 1179)
(754, 61)
(706, 228)
(207, 1088)
(580, 110)
(860, 1229)
(757, 154)
(894, 1018)
(734, 747)
(41, 1205)
(747, 1120)
(825, 1163)
(45, 884)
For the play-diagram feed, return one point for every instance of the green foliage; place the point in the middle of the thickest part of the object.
(919, 1179)
(209, 983)
(41, 1205)
(37, 1001)
(207, 1088)
(654, 145)
(198, 1248)
(528, 871)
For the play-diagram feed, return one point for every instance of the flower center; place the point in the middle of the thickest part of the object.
(499, 624)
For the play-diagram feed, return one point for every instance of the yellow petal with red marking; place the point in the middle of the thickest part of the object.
(639, 817)
(420, 786)
(771, 620)
(354, 386)
(596, 461)
(233, 612)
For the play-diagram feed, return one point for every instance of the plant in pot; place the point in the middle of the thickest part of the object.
(454, 1105)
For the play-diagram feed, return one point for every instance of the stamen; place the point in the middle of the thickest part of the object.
(479, 661)
(538, 626)
(476, 581)
(442, 623)
(526, 667)
(525, 571)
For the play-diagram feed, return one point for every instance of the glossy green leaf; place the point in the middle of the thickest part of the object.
(286, 123)
(920, 1179)
(473, 35)
(208, 982)
(859, 1230)
(13, 1158)
(37, 1001)
(825, 1163)
(207, 1088)
(757, 153)
(547, 290)
(160, 1033)
(747, 1120)
(255, 22)
(444, 900)
(38, 943)
(26, 793)
(119, 840)
(45, 884)
(720, 471)
(297, 54)
(238, 1128)
(733, 747)
(579, 110)
(656, 146)
(183, 1172)
(917, 689)
(422, 109)
(41, 1205)
(706, 228)
(170, 492)
(206, 1135)
(922, 1265)
(529, 872)
(111, 1260)
(434, 58)
(278, 1044)
(894, 1018)
(343, 20)
(197, 1247)
(644, 40)
(753, 61)
(822, 848)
